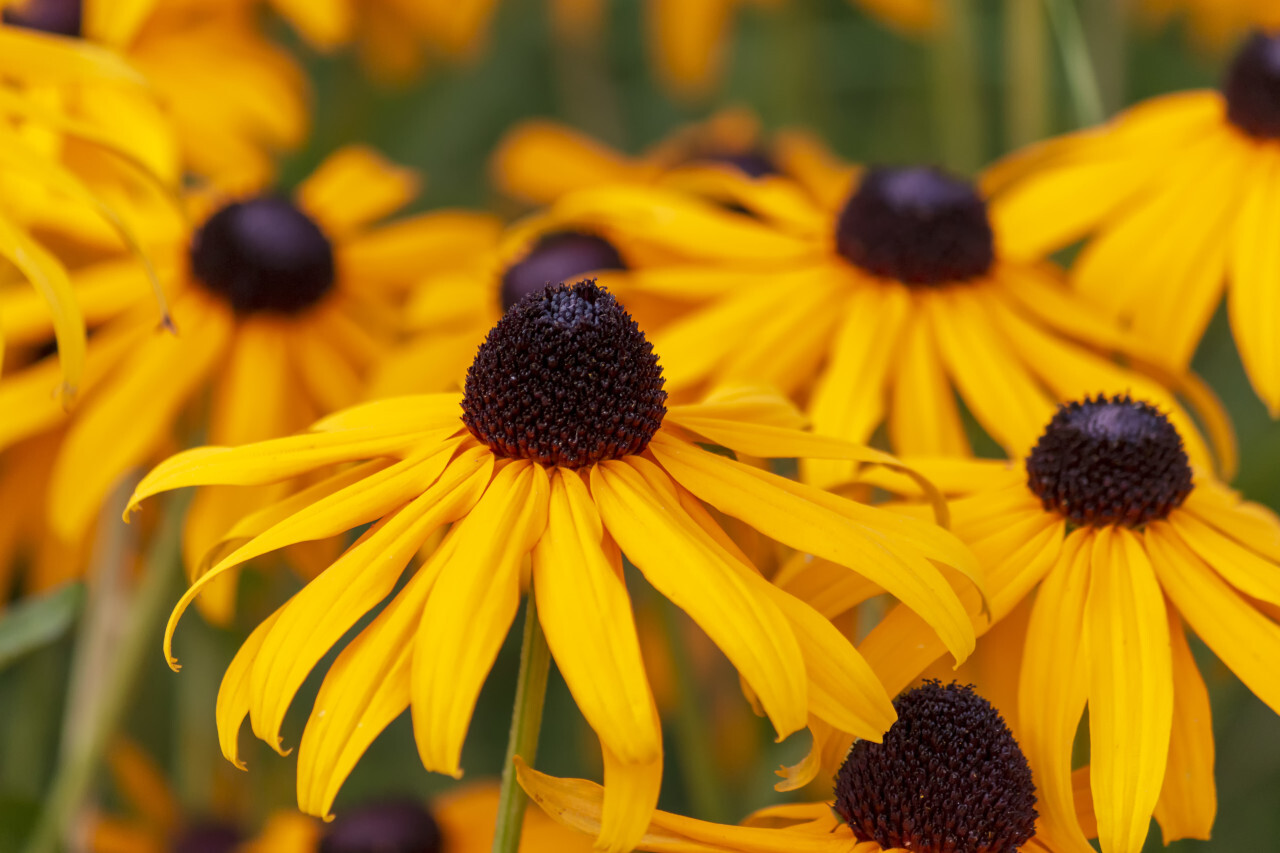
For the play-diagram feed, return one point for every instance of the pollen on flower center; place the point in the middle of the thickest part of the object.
(208, 837)
(948, 778)
(1252, 87)
(1116, 461)
(556, 258)
(916, 225)
(263, 254)
(59, 17)
(565, 378)
(388, 827)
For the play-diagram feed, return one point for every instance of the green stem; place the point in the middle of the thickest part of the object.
(97, 708)
(693, 731)
(1077, 62)
(957, 90)
(526, 723)
(1104, 27)
(1026, 42)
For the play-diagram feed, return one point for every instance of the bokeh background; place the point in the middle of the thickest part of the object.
(875, 96)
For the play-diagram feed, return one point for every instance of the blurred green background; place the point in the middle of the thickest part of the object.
(874, 97)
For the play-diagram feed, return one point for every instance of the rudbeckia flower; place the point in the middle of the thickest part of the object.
(560, 449)
(539, 160)
(688, 39)
(947, 778)
(1124, 539)
(878, 308)
(234, 97)
(281, 306)
(1180, 195)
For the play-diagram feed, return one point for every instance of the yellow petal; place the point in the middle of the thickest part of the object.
(43, 58)
(689, 40)
(1253, 304)
(414, 413)
(1239, 565)
(324, 23)
(538, 161)
(924, 419)
(471, 607)
(1130, 688)
(1189, 799)
(355, 186)
(630, 799)
(233, 695)
(750, 404)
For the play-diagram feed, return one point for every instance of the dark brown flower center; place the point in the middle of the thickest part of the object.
(753, 162)
(386, 827)
(209, 836)
(58, 17)
(263, 254)
(1116, 461)
(1252, 87)
(916, 225)
(566, 378)
(557, 258)
(948, 778)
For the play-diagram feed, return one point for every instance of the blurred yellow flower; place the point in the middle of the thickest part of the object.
(560, 450)
(1215, 22)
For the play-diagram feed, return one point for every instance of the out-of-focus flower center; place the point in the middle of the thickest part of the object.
(948, 778)
(1252, 88)
(1116, 461)
(263, 254)
(916, 225)
(208, 837)
(753, 163)
(388, 827)
(59, 17)
(557, 258)
(565, 378)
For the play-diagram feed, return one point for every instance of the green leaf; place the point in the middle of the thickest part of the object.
(35, 622)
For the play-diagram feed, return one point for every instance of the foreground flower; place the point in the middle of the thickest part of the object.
(281, 306)
(878, 308)
(948, 778)
(561, 448)
(1124, 540)
(1181, 194)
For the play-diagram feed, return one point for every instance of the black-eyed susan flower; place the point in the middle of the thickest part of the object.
(949, 777)
(1123, 539)
(561, 449)
(280, 305)
(877, 308)
(539, 160)
(233, 97)
(1179, 195)
(688, 40)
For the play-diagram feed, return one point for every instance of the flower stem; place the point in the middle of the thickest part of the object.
(96, 708)
(1028, 97)
(957, 90)
(526, 723)
(692, 731)
(1077, 62)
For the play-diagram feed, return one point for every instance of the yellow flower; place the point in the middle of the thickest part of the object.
(1180, 194)
(1123, 538)
(560, 449)
(281, 307)
(688, 39)
(233, 97)
(877, 305)
(538, 161)
(948, 778)
(1215, 22)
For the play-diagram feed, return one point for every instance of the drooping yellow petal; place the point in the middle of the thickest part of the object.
(355, 186)
(1054, 685)
(687, 566)
(233, 694)
(1253, 303)
(924, 419)
(688, 40)
(471, 606)
(829, 588)
(630, 799)
(43, 58)
(747, 404)
(1188, 800)
(1238, 564)
(1130, 688)
(538, 161)
(806, 158)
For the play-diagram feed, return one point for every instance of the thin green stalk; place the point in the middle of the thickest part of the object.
(96, 708)
(526, 723)
(1077, 62)
(1026, 48)
(957, 90)
(1104, 27)
(693, 730)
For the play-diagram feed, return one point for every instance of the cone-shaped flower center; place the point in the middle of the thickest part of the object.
(388, 827)
(263, 254)
(557, 258)
(1116, 461)
(208, 837)
(1252, 87)
(59, 17)
(566, 378)
(948, 778)
(916, 225)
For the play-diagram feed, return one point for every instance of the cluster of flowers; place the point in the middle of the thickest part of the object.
(525, 408)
